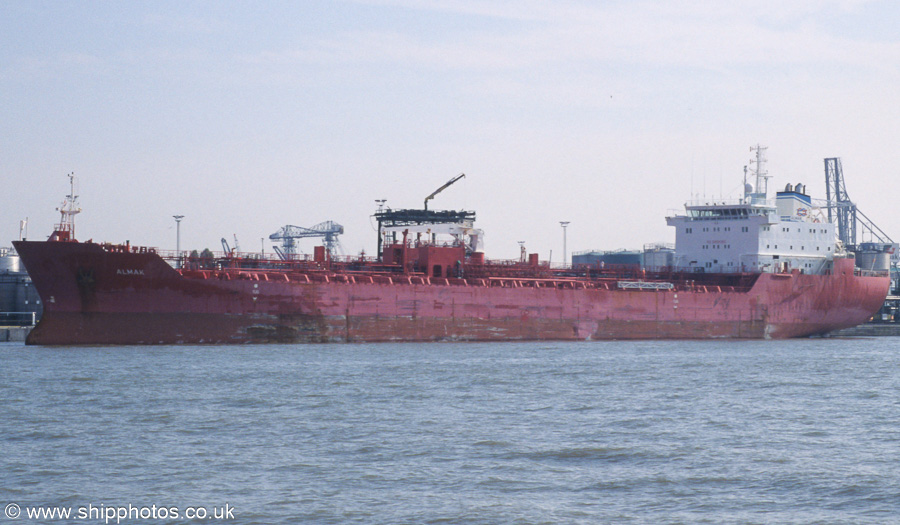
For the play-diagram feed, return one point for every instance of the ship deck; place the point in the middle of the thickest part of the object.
(495, 274)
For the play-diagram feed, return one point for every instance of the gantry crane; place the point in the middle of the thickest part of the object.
(287, 235)
(847, 217)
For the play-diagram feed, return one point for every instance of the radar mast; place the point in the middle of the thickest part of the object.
(65, 230)
(761, 189)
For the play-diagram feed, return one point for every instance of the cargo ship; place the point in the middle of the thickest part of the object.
(750, 268)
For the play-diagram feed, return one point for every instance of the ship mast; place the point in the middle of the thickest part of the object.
(761, 192)
(65, 230)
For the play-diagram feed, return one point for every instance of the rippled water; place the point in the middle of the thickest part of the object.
(804, 431)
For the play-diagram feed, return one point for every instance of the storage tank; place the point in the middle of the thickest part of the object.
(27, 298)
(9, 261)
(8, 293)
(874, 256)
(18, 297)
(659, 255)
(620, 257)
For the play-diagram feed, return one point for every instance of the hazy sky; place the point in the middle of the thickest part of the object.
(246, 116)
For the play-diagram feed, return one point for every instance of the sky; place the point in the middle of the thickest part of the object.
(247, 116)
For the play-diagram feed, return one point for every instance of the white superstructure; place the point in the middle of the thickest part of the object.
(754, 234)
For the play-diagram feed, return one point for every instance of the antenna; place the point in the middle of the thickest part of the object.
(747, 189)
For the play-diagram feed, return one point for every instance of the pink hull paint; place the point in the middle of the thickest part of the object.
(94, 295)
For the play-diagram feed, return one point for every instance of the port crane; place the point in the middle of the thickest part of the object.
(850, 220)
(289, 233)
(442, 188)
(227, 248)
(394, 219)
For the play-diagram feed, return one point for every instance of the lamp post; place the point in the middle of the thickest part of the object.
(178, 237)
(564, 224)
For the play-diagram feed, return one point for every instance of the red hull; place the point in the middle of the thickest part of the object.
(93, 295)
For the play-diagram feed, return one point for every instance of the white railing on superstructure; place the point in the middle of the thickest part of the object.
(758, 203)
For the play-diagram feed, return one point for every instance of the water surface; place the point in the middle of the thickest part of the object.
(804, 431)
